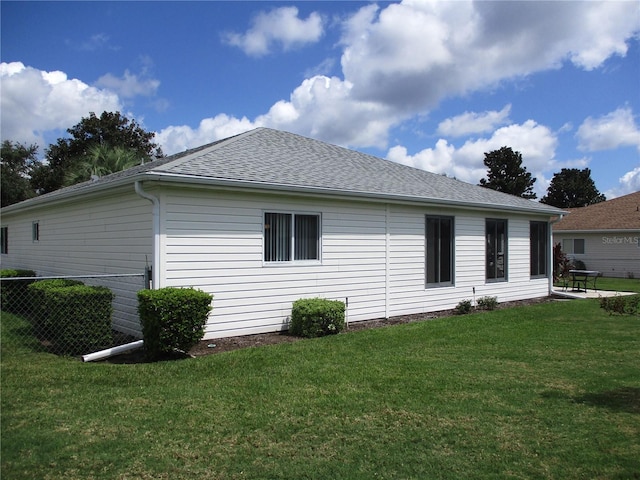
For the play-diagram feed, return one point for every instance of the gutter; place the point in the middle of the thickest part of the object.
(156, 232)
(323, 192)
(281, 188)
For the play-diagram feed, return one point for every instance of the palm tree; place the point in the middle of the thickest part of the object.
(102, 160)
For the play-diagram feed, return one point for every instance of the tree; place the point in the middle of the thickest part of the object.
(572, 188)
(70, 155)
(17, 162)
(506, 174)
(103, 160)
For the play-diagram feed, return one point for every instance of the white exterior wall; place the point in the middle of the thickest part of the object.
(613, 253)
(409, 292)
(213, 241)
(90, 236)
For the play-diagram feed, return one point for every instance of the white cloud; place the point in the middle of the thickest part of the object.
(412, 55)
(616, 129)
(279, 26)
(537, 144)
(470, 123)
(129, 85)
(323, 107)
(403, 59)
(35, 101)
(98, 41)
(174, 139)
(628, 183)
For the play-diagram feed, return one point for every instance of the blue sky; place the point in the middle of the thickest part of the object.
(433, 85)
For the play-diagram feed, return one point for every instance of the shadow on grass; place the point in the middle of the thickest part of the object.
(18, 334)
(625, 399)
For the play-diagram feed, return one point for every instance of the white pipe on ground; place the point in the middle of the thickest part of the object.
(109, 352)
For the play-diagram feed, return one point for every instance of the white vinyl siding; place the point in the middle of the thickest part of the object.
(371, 253)
(214, 241)
(613, 253)
(111, 235)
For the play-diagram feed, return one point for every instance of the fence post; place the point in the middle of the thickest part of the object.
(148, 275)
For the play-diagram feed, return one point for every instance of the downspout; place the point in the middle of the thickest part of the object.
(156, 232)
(387, 265)
(551, 248)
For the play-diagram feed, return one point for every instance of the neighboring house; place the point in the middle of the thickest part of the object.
(264, 218)
(605, 236)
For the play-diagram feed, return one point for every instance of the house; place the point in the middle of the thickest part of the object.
(267, 217)
(604, 236)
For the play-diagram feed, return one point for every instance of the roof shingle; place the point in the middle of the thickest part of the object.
(283, 160)
(622, 213)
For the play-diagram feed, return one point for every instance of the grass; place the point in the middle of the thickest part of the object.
(619, 284)
(544, 391)
(614, 284)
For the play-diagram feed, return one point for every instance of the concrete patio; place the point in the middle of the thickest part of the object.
(568, 293)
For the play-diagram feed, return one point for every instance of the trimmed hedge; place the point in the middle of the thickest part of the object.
(14, 294)
(73, 317)
(172, 319)
(316, 317)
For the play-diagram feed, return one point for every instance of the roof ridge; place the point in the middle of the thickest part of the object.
(187, 155)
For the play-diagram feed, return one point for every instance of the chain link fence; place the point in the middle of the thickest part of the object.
(72, 315)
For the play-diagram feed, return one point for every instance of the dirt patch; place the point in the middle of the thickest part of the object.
(219, 345)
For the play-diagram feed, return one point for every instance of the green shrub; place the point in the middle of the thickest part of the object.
(40, 312)
(487, 303)
(172, 319)
(14, 294)
(316, 317)
(463, 307)
(628, 304)
(579, 265)
(74, 318)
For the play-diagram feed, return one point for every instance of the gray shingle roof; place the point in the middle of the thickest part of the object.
(280, 160)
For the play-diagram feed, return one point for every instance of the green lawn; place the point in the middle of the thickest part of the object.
(546, 391)
(619, 284)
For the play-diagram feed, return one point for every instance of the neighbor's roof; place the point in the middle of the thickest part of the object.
(622, 213)
(276, 160)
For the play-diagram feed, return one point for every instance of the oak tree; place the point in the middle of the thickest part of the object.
(66, 160)
(17, 163)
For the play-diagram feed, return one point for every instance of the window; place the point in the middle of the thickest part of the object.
(573, 246)
(439, 256)
(291, 236)
(4, 240)
(35, 231)
(496, 238)
(538, 238)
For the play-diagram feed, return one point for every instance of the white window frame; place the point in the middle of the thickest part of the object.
(572, 243)
(502, 251)
(292, 260)
(437, 254)
(542, 248)
(5, 240)
(35, 231)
